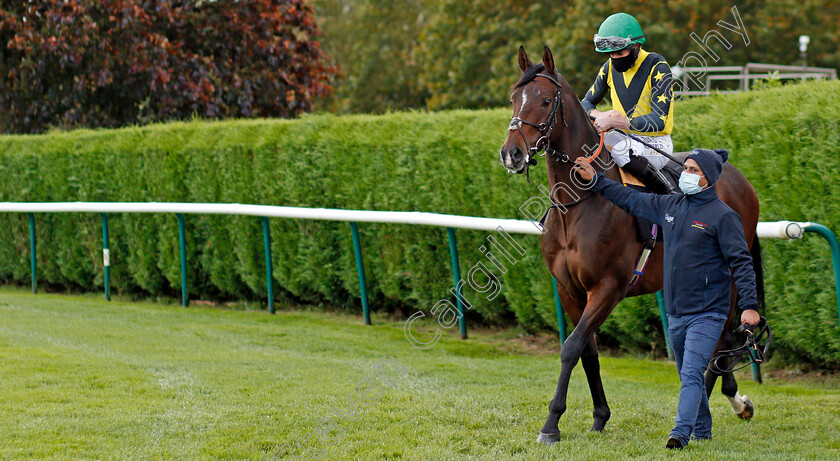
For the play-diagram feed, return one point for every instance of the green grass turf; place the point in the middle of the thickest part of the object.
(84, 378)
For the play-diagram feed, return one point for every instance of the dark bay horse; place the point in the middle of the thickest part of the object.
(590, 245)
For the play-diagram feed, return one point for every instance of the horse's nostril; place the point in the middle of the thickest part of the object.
(516, 154)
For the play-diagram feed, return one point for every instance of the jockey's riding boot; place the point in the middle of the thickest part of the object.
(652, 178)
(656, 181)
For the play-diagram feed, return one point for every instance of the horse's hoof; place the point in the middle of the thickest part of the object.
(548, 439)
(749, 410)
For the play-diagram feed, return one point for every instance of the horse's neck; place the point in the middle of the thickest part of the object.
(580, 139)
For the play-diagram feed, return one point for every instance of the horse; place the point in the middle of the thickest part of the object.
(588, 243)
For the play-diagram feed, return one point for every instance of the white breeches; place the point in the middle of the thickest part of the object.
(621, 146)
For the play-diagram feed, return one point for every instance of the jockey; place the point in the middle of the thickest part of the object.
(639, 85)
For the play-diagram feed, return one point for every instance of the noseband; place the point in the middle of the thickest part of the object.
(545, 128)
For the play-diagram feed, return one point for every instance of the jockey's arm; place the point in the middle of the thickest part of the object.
(602, 120)
(596, 93)
(660, 101)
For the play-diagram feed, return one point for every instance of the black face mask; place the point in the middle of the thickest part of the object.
(624, 64)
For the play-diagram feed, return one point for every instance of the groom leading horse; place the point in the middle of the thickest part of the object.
(589, 245)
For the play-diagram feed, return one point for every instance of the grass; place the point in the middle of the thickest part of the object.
(85, 378)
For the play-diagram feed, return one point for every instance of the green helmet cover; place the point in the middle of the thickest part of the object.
(618, 32)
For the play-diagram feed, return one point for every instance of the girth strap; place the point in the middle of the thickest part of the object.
(643, 259)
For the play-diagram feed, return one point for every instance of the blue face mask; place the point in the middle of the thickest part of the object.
(690, 183)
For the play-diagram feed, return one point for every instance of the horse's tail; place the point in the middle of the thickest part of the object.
(758, 267)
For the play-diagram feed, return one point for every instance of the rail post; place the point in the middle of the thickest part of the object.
(182, 243)
(661, 301)
(269, 272)
(456, 275)
(833, 244)
(360, 268)
(561, 320)
(106, 256)
(756, 368)
(32, 248)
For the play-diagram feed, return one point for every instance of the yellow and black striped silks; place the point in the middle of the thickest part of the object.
(643, 93)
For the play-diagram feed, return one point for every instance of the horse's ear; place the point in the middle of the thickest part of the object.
(524, 62)
(548, 60)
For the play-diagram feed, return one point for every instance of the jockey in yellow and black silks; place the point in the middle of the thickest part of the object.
(639, 84)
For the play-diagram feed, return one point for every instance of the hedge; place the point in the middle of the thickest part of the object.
(783, 139)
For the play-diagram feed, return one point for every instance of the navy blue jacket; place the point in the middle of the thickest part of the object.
(703, 239)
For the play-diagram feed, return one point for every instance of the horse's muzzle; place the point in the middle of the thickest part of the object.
(514, 159)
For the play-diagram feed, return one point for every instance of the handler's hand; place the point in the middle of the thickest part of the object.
(750, 317)
(584, 169)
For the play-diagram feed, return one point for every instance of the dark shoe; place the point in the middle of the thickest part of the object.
(650, 176)
(673, 443)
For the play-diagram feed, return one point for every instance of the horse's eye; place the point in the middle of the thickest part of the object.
(546, 101)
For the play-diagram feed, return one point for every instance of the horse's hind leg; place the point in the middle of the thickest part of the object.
(741, 405)
(592, 367)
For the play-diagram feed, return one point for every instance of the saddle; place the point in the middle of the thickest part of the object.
(672, 171)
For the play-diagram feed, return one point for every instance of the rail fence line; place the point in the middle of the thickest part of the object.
(775, 230)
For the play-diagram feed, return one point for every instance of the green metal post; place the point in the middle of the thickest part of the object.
(32, 246)
(756, 368)
(106, 257)
(360, 268)
(182, 241)
(561, 320)
(269, 272)
(661, 301)
(835, 254)
(456, 274)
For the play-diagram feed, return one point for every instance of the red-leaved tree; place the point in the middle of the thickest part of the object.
(108, 63)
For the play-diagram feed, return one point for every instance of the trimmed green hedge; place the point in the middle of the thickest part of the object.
(785, 140)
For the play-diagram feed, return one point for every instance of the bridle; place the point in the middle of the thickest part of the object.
(544, 143)
(545, 128)
(757, 354)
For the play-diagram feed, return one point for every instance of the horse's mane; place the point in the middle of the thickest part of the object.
(530, 75)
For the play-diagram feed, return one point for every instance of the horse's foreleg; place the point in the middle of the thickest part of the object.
(600, 304)
(569, 356)
(592, 366)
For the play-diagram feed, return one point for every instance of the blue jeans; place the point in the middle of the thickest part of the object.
(693, 338)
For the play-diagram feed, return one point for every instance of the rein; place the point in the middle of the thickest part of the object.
(755, 333)
(592, 157)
